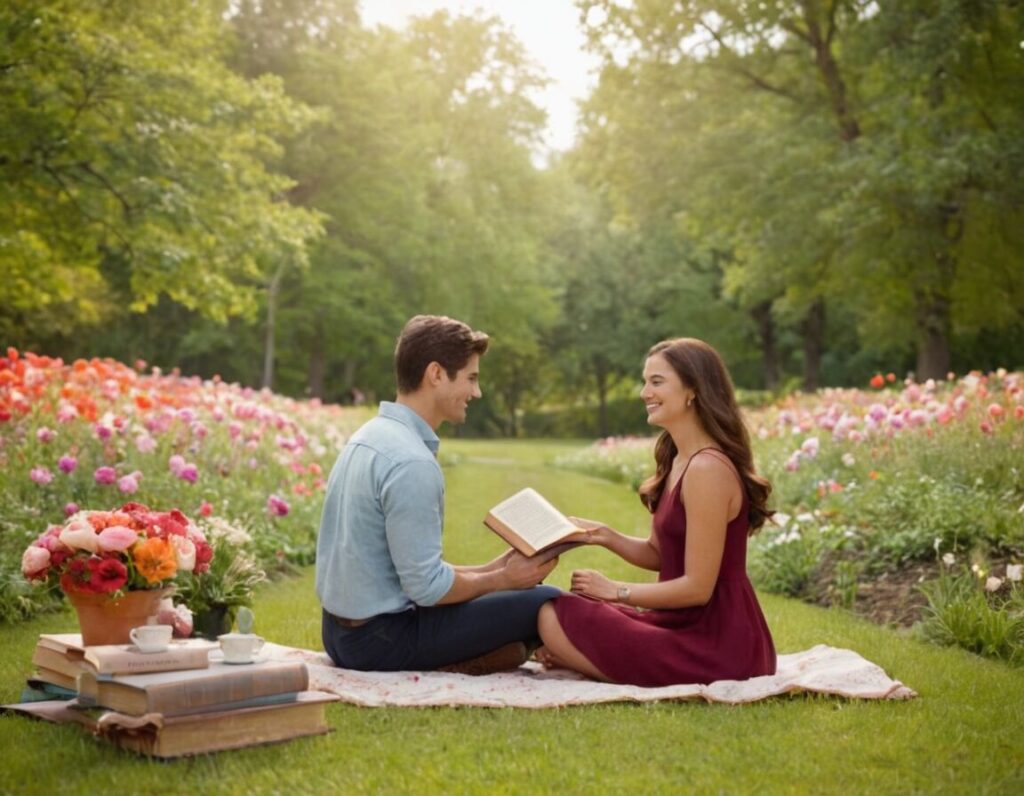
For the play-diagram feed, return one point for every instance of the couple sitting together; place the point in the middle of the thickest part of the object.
(391, 602)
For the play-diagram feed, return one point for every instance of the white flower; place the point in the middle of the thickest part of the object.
(993, 583)
(1013, 572)
(781, 518)
(949, 559)
(805, 517)
(938, 543)
(849, 460)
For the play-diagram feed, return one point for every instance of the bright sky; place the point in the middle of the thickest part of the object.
(549, 31)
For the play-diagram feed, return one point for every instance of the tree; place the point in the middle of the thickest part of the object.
(133, 163)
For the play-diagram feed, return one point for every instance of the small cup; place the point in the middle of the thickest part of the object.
(240, 647)
(151, 638)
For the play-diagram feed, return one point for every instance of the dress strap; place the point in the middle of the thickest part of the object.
(724, 458)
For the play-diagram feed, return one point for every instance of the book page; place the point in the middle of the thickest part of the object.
(533, 518)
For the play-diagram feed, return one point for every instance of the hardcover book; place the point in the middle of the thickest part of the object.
(159, 736)
(534, 527)
(179, 693)
(64, 652)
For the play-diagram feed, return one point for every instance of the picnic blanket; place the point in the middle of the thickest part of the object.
(819, 670)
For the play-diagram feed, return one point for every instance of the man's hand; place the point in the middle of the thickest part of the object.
(520, 572)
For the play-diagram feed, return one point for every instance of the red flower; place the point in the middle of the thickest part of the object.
(107, 574)
(204, 552)
(878, 381)
(76, 577)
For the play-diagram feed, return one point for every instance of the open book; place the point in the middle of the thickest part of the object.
(533, 526)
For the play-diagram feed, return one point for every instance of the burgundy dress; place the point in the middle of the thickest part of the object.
(726, 639)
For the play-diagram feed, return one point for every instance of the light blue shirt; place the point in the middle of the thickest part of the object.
(379, 548)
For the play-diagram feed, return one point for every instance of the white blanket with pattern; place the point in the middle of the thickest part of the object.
(819, 670)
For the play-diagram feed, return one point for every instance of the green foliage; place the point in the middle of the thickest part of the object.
(134, 164)
(961, 613)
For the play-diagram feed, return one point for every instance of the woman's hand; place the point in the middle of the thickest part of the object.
(590, 583)
(597, 532)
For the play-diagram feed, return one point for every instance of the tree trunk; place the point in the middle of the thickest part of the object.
(762, 315)
(601, 377)
(268, 346)
(934, 324)
(317, 362)
(814, 344)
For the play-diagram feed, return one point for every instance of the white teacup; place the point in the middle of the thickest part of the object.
(240, 647)
(151, 638)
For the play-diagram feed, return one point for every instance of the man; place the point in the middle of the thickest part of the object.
(389, 600)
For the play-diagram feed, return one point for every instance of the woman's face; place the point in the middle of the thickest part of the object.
(663, 393)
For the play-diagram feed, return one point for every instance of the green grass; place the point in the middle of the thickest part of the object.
(963, 733)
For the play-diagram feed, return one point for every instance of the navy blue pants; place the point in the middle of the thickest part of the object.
(428, 638)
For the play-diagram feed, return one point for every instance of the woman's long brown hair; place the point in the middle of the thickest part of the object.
(701, 369)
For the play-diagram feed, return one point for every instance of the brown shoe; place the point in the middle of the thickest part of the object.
(503, 659)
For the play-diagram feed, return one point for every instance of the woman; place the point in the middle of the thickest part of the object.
(701, 621)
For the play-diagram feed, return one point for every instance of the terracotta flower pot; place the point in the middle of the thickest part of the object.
(106, 620)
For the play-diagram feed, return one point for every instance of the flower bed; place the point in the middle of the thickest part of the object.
(96, 434)
(872, 485)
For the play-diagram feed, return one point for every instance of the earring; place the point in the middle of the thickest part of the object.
(689, 402)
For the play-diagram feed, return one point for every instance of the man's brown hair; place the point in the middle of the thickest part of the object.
(434, 338)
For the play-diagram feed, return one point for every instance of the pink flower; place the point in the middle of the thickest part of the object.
(129, 483)
(70, 509)
(1018, 412)
(80, 536)
(45, 434)
(810, 447)
(116, 538)
(41, 475)
(179, 617)
(144, 443)
(185, 551)
(189, 473)
(277, 506)
(102, 432)
(986, 427)
(995, 411)
(67, 464)
(105, 475)
(205, 509)
(176, 463)
(34, 562)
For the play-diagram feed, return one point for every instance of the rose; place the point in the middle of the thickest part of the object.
(78, 534)
(185, 551)
(34, 562)
(117, 538)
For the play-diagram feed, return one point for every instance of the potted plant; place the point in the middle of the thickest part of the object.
(115, 566)
(215, 595)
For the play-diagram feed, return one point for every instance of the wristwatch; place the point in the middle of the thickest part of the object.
(622, 595)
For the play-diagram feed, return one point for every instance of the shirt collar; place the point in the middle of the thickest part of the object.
(403, 414)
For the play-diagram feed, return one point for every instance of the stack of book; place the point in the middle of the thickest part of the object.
(178, 702)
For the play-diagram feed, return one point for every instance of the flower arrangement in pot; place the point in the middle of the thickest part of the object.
(216, 594)
(115, 566)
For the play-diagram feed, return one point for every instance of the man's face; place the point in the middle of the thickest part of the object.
(455, 394)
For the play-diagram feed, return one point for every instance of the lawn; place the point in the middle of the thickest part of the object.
(963, 733)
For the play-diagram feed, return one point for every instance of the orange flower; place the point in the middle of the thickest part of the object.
(878, 381)
(155, 559)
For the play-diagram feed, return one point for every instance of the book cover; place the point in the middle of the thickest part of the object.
(178, 693)
(530, 524)
(64, 652)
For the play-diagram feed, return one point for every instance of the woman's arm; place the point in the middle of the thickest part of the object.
(643, 553)
(712, 496)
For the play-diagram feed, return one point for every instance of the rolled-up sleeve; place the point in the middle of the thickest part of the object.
(412, 497)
